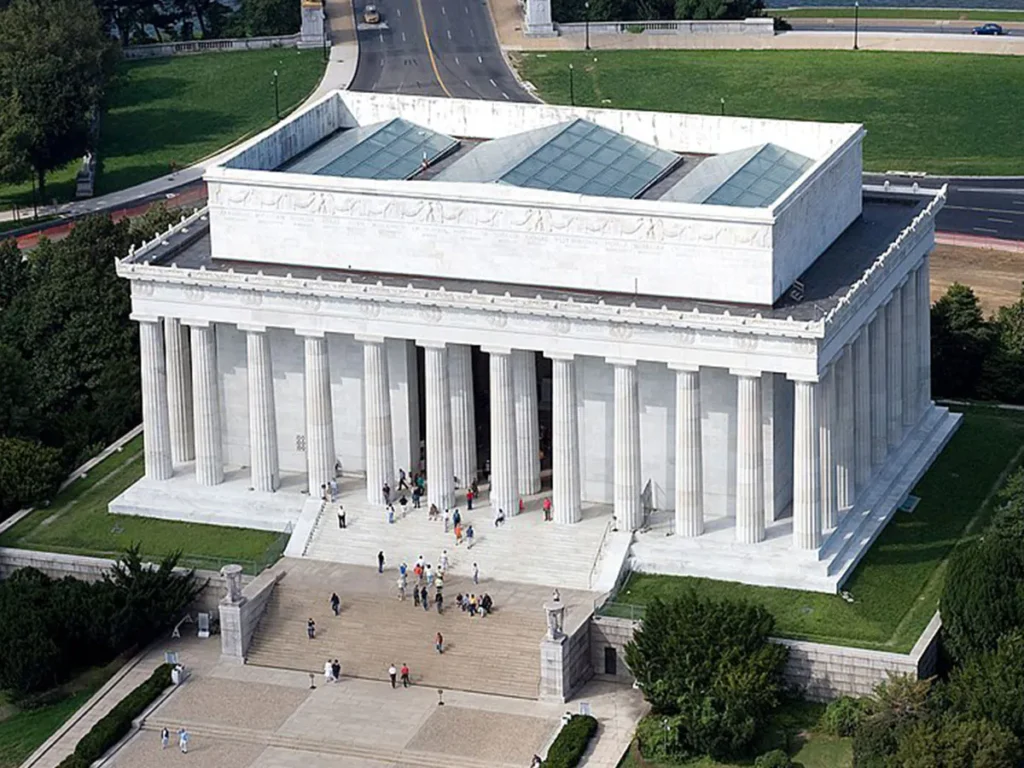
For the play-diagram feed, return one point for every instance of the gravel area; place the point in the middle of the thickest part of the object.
(144, 751)
(232, 703)
(479, 735)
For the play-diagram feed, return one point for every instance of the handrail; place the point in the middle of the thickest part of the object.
(600, 548)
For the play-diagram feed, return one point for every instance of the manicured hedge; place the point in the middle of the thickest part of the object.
(116, 724)
(571, 742)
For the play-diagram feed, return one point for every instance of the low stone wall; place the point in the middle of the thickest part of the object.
(159, 50)
(821, 672)
(57, 566)
(238, 621)
(760, 27)
(565, 664)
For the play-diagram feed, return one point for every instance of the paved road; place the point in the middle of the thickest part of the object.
(992, 207)
(434, 48)
(924, 27)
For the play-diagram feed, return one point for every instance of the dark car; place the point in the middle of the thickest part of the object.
(988, 29)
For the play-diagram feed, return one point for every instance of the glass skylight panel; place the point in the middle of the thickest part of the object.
(762, 179)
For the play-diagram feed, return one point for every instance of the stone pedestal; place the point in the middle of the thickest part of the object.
(312, 32)
(556, 619)
(538, 19)
(233, 576)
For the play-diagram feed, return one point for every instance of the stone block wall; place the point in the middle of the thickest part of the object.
(238, 621)
(821, 672)
(565, 664)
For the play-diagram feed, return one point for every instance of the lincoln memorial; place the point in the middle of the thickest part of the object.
(703, 338)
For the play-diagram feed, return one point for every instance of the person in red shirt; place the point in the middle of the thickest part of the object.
(405, 675)
(469, 499)
(547, 509)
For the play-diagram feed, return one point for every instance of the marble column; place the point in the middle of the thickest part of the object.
(524, 376)
(909, 365)
(440, 472)
(380, 449)
(894, 368)
(155, 417)
(320, 455)
(689, 453)
(749, 458)
(565, 442)
(846, 463)
(206, 405)
(806, 466)
(460, 380)
(264, 467)
(826, 449)
(862, 408)
(924, 333)
(504, 466)
(879, 412)
(629, 512)
(179, 390)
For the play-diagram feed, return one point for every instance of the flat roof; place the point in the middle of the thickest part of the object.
(884, 216)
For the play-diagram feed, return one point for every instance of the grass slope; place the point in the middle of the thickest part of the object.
(77, 522)
(943, 113)
(181, 109)
(896, 587)
(23, 733)
(942, 14)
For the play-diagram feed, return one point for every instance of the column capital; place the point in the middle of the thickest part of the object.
(194, 323)
(496, 350)
(621, 362)
(251, 327)
(684, 367)
(746, 373)
(804, 378)
(144, 317)
(369, 339)
(431, 344)
(568, 356)
(311, 333)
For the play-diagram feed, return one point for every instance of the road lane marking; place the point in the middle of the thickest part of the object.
(403, 37)
(982, 229)
(982, 210)
(382, 37)
(449, 34)
(999, 221)
(506, 96)
(443, 11)
(399, 12)
(993, 190)
(430, 49)
(479, 60)
(494, 83)
(471, 33)
(456, 59)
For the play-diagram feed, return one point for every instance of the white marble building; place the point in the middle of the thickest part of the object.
(737, 330)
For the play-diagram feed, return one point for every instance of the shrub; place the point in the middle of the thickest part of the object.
(983, 597)
(29, 472)
(896, 705)
(991, 686)
(709, 671)
(842, 716)
(945, 741)
(876, 741)
(570, 744)
(774, 759)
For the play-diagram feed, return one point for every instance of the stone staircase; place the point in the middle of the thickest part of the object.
(499, 654)
(378, 754)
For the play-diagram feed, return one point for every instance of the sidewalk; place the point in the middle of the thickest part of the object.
(341, 68)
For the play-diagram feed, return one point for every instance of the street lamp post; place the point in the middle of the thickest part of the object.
(326, 47)
(586, 24)
(856, 22)
(572, 94)
(277, 100)
(723, 106)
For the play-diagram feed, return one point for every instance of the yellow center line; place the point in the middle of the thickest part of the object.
(430, 51)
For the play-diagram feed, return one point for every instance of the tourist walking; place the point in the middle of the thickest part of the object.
(416, 494)
(439, 643)
(547, 510)
(424, 599)
(439, 601)
(476, 574)
(393, 674)
(447, 520)
(402, 485)
(391, 513)
(430, 576)
(443, 563)
(311, 629)
(457, 517)
(336, 671)
(469, 499)
(415, 596)
(401, 586)
(183, 737)
(405, 675)
(335, 603)
(165, 738)
(469, 537)
(328, 671)
(386, 493)
(499, 519)
(341, 516)
(334, 489)
(458, 534)
(380, 561)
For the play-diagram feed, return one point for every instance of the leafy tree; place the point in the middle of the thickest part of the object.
(29, 471)
(896, 706)
(271, 17)
(1002, 375)
(710, 673)
(714, 10)
(961, 340)
(990, 686)
(14, 271)
(54, 61)
(1008, 521)
(949, 742)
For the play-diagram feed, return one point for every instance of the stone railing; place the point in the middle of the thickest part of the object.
(746, 27)
(159, 50)
(883, 265)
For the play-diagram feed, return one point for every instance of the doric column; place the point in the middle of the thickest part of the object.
(264, 466)
(524, 376)
(879, 413)
(689, 453)
(911, 392)
(846, 462)
(749, 458)
(924, 332)
(206, 405)
(862, 408)
(806, 465)
(894, 368)
(320, 456)
(504, 468)
(179, 390)
(628, 510)
(380, 449)
(565, 442)
(155, 418)
(440, 484)
(826, 449)
(460, 379)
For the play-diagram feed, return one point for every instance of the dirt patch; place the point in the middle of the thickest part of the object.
(995, 276)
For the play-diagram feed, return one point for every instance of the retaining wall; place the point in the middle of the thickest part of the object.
(238, 621)
(760, 27)
(158, 50)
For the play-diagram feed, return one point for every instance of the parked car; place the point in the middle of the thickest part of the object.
(988, 29)
(371, 15)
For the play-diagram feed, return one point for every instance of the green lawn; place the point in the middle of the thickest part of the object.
(825, 12)
(896, 587)
(943, 113)
(78, 523)
(793, 729)
(22, 733)
(181, 109)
